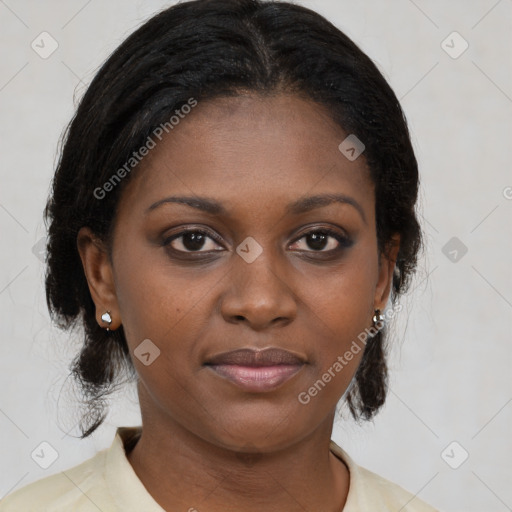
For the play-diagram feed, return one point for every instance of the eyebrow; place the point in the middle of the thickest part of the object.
(297, 207)
(307, 204)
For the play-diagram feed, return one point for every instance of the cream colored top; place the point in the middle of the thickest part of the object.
(108, 483)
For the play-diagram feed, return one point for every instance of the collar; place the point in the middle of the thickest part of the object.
(121, 477)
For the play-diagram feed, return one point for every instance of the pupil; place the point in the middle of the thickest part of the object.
(193, 241)
(317, 241)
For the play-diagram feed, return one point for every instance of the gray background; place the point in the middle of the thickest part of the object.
(451, 360)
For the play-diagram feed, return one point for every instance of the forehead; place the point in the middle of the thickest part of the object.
(251, 149)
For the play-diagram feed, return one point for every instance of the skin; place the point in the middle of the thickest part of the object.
(206, 443)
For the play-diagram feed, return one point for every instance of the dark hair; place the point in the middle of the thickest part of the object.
(205, 49)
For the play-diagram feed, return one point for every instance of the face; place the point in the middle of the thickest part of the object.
(246, 262)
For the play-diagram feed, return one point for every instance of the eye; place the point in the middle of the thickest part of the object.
(192, 240)
(324, 240)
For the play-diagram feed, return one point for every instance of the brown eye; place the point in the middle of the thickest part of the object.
(324, 240)
(192, 241)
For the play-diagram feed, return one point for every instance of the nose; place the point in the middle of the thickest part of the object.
(258, 294)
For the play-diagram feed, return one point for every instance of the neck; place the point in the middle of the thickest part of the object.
(184, 471)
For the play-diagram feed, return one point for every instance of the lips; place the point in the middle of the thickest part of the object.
(256, 370)
(255, 358)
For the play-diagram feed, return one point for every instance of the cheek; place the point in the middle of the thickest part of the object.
(344, 298)
(148, 294)
(342, 306)
(162, 303)
(163, 306)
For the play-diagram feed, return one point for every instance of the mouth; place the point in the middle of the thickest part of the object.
(256, 370)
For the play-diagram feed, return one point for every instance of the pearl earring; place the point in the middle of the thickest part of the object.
(106, 318)
(378, 318)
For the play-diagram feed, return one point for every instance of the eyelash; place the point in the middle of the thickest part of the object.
(344, 242)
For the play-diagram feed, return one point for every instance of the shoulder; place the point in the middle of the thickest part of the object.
(391, 494)
(370, 491)
(80, 488)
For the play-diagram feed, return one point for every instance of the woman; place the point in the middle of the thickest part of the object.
(233, 210)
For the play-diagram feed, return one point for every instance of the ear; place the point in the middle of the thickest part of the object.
(99, 275)
(386, 268)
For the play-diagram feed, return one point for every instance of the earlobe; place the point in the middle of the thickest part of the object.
(386, 270)
(99, 274)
